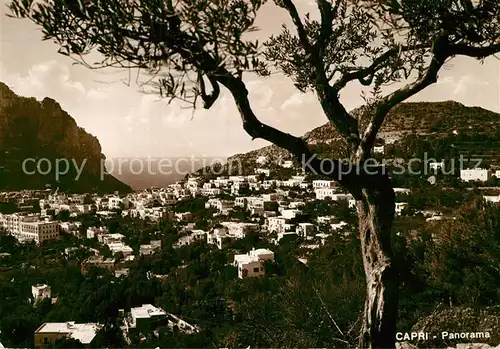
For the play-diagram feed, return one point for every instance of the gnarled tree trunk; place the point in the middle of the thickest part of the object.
(376, 205)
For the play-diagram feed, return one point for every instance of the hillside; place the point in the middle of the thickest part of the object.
(30, 129)
(474, 131)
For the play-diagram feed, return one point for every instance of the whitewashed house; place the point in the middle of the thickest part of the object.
(475, 174)
(252, 264)
(40, 292)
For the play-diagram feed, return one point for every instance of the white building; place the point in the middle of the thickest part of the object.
(124, 272)
(270, 197)
(492, 198)
(305, 229)
(378, 149)
(323, 193)
(269, 183)
(434, 166)
(218, 237)
(240, 201)
(252, 178)
(265, 171)
(211, 191)
(117, 247)
(183, 216)
(296, 204)
(94, 232)
(338, 226)
(325, 219)
(40, 292)
(475, 174)
(221, 182)
(107, 239)
(402, 191)
(290, 213)
(70, 227)
(183, 326)
(194, 235)
(12, 222)
(400, 207)
(277, 224)
(193, 182)
(252, 263)
(340, 196)
(240, 229)
(219, 204)
(152, 247)
(261, 160)
(239, 185)
(319, 184)
(98, 262)
(38, 231)
(49, 332)
(116, 203)
(352, 203)
(235, 179)
(145, 313)
(27, 227)
(287, 164)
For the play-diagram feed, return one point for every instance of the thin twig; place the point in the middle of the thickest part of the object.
(328, 313)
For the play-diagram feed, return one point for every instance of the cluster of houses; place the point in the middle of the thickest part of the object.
(275, 207)
(116, 245)
(147, 317)
(267, 200)
(137, 321)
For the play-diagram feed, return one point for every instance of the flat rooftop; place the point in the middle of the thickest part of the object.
(84, 333)
(146, 311)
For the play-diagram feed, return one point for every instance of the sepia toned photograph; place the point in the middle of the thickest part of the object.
(240, 174)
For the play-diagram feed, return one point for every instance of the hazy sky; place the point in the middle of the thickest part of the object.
(129, 123)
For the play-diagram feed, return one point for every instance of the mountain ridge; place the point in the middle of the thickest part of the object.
(424, 119)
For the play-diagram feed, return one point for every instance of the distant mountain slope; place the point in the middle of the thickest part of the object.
(42, 130)
(429, 120)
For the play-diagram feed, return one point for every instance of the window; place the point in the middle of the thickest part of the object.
(255, 270)
(45, 340)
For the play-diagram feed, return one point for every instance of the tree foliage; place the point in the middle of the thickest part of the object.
(187, 45)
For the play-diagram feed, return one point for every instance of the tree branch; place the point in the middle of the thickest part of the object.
(336, 112)
(441, 51)
(327, 96)
(208, 99)
(327, 13)
(334, 168)
(365, 75)
(299, 26)
(476, 52)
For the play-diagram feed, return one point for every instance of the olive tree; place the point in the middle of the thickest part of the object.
(193, 48)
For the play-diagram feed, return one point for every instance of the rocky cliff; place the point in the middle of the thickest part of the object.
(30, 129)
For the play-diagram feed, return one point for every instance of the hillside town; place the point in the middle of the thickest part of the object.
(216, 211)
